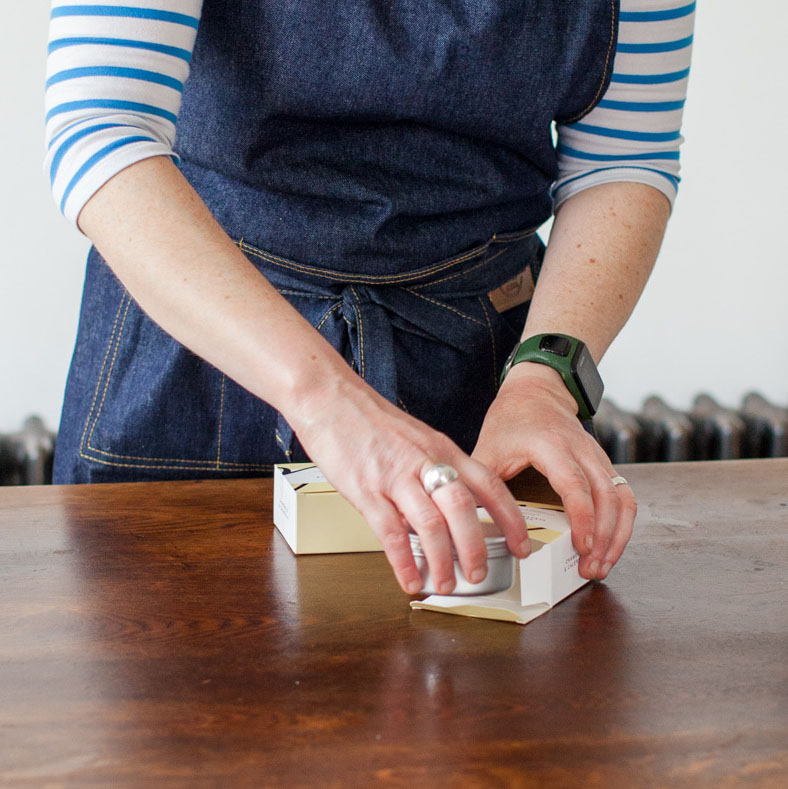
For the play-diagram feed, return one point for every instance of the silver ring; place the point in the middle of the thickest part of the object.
(437, 476)
(618, 481)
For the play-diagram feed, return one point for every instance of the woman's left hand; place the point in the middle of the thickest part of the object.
(533, 422)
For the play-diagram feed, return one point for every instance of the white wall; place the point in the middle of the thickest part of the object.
(713, 316)
(41, 256)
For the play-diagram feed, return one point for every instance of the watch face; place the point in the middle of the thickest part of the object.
(587, 377)
(555, 343)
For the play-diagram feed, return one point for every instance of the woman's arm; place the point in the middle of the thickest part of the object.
(115, 74)
(164, 245)
(618, 173)
(602, 249)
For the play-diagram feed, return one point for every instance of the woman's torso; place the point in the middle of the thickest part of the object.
(373, 136)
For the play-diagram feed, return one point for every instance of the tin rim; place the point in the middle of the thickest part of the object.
(496, 547)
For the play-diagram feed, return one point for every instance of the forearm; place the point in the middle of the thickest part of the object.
(176, 261)
(601, 252)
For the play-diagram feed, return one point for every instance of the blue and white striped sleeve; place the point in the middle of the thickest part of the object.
(115, 74)
(633, 134)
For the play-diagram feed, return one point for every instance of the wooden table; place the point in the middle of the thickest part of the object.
(162, 634)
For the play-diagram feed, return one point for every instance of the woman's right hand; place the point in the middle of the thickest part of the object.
(375, 455)
(170, 253)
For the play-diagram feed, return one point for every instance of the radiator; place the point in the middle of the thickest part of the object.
(26, 456)
(708, 431)
(656, 433)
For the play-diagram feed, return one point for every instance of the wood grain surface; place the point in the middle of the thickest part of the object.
(162, 634)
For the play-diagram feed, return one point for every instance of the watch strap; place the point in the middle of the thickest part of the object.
(570, 358)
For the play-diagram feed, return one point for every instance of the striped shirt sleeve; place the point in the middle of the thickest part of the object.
(633, 134)
(115, 74)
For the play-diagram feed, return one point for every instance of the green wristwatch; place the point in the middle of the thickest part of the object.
(573, 362)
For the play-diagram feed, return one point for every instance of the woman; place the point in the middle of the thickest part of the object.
(329, 230)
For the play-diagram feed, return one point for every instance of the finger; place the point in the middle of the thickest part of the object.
(428, 522)
(568, 480)
(607, 507)
(388, 525)
(623, 532)
(490, 491)
(459, 511)
(626, 512)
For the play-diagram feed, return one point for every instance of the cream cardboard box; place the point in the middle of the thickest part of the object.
(313, 517)
(545, 578)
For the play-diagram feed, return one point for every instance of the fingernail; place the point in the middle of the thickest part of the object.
(606, 568)
(414, 586)
(593, 567)
(589, 542)
(446, 587)
(478, 575)
(525, 547)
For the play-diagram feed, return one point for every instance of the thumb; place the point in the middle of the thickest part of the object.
(487, 453)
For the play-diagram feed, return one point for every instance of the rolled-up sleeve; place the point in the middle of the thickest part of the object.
(634, 133)
(115, 75)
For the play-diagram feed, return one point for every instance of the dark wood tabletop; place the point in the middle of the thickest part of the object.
(162, 634)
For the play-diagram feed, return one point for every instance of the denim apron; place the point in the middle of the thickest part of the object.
(385, 165)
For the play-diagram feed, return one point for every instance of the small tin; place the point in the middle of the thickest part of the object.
(500, 569)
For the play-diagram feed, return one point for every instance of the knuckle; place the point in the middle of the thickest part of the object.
(456, 497)
(430, 523)
(576, 479)
(610, 497)
(440, 448)
(626, 533)
(543, 444)
(579, 498)
(579, 502)
(630, 506)
(590, 444)
(566, 446)
(394, 541)
(476, 557)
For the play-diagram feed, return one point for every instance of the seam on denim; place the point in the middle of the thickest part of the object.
(195, 462)
(515, 235)
(446, 307)
(280, 441)
(197, 465)
(101, 372)
(372, 279)
(260, 467)
(383, 279)
(109, 372)
(492, 343)
(325, 317)
(302, 294)
(402, 405)
(613, 22)
(221, 419)
(360, 321)
(464, 271)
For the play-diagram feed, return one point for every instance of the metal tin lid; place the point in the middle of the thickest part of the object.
(496, 547)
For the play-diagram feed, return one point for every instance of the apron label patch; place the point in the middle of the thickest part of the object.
(514, 292)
